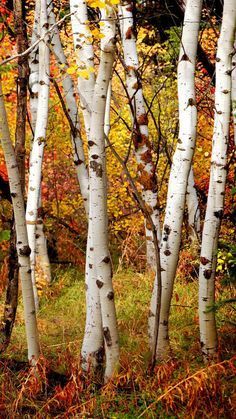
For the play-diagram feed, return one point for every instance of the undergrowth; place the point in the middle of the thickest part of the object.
(182, 387)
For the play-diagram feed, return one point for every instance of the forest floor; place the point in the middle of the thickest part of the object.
(183, 387)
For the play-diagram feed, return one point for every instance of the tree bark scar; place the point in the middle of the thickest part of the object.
(184, 58)
(110, 295)
(207, 273)
(25, 251)
(107, 336)
(106, 259)
(99, 284)
(96, 167)
(204, 261)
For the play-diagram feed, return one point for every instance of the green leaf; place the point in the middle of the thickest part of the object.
(4, 235)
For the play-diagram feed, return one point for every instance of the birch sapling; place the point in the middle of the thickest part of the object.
(179, 173)
(39, 141)
(215, 201)
(23, 249)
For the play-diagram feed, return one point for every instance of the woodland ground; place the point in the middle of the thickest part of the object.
(183, 387)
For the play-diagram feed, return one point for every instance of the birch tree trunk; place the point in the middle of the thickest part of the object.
(38, 144)
(193, 209)
(72, 109)
(11, 300)
(98, 222)
(233, 92)
(179, 173)
(23, 250)
(215, 201)
(92, 347)
(143, 154)
(84, 57)
(42, 263)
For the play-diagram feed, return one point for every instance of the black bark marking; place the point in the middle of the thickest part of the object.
(13, 194)
(25, 251)
(91, 143)
(96, 167)
(165, 323)
(218, 214)
(78, 162)
(106, 259)
(151, 314)
(107, 336)
(99, 283)
(207, 273)
(99, 355)
(110, 295)
(95, 156)
(191, 102)
(167, 229)
(90, 265)
(184, 58)
(204, 261)
(167, 252)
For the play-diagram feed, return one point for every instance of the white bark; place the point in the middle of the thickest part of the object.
(146, 166)
(38, 144)
(233, 92)
(34, 67)
(84, 57)
(72, 109)
(215, 201)
(180, 169)
(98, 205)
(193, 209)
(22, 246)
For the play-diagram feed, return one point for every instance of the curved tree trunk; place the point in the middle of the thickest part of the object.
(38, 144)
(22, 82)
(143, 152)
(23, 250)
(98, 203)
(179, 174)
(215, 201)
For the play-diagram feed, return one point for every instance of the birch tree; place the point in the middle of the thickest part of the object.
(146, 167)
(23, 249)
(215, 201)
(179, 173)
(233, 93)
(97, 197)
(93, 342)
(39, 141)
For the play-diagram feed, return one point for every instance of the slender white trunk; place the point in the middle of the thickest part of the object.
(143, 154)
(38, 144)
(180, 169)
(42, 259)
(72, 109)
(215, 201)
(34, 67)
(193, 209)
(23, 250)
(233, 92)
(98, 203)
(92, 347)
(84, 56)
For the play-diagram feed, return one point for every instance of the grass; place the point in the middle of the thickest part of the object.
(183, 387)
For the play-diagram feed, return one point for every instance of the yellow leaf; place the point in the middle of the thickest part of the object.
(71, 70)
